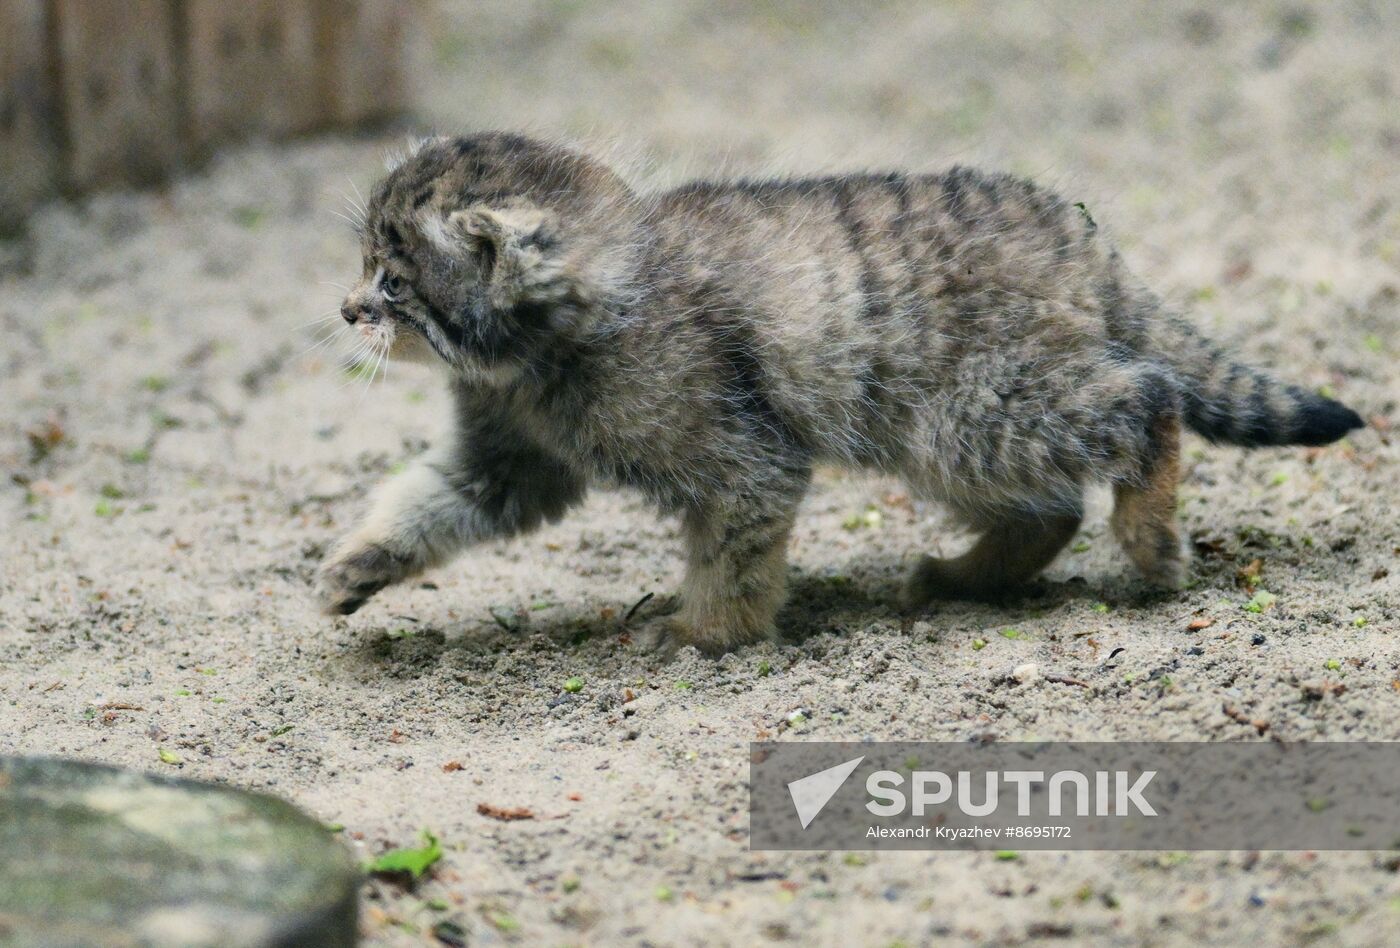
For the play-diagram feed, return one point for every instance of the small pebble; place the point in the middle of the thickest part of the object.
(1027, 673)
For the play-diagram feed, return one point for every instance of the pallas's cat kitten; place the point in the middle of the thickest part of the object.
(968, 332)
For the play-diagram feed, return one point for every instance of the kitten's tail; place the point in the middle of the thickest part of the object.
(1226, 400)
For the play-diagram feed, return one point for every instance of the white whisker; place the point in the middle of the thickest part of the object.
(356, 225)
(325, 317)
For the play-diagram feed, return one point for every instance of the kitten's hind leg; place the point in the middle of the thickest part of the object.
(1011, 551)
(1144, 510)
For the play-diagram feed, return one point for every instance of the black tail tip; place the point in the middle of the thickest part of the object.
(1322, 420)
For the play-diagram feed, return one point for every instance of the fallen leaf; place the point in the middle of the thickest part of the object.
(505, 814)
(1248, 576)
(410, 861)
(44, 437)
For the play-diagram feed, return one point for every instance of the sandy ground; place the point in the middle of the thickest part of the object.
(177, 462)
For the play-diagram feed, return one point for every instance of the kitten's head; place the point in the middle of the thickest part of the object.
(486, 251)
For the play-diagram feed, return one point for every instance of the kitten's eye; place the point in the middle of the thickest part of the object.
(392, 287)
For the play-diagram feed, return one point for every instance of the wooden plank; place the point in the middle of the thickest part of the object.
(118, 90)
(29, 156)
(364, 58)
(251, 68)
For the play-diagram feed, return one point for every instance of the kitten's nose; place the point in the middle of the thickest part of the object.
(350, 314)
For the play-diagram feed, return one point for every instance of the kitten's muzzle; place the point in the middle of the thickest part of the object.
(354, 313)
(362, 306)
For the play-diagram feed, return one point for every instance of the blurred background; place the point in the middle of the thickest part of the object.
(1205, 115)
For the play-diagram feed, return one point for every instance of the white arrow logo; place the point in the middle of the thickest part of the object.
(811, 793)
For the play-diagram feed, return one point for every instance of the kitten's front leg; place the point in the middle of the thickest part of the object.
(431, 511)
(736, 575)
(416, 520)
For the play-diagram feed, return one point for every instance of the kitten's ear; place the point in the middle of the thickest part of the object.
(517, 243)
(506, 227)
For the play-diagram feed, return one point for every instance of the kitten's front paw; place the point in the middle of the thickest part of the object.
(667, 636)
(350, 576)
(662, 638)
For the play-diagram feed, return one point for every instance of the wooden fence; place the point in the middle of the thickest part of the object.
(107, 92)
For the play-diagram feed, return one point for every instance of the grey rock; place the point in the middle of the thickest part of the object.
(98, 856)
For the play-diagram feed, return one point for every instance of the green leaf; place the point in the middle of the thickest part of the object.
(765, 668)
(1007, 855)
(504, 922)
(979, 644)
(574, 685)
(413, 861)
(1261, 600)
(169, 756)
(248, 217)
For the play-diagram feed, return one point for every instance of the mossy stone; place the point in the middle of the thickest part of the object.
(95, 855)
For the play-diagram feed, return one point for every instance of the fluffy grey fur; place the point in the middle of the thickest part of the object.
(968, 332)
